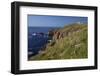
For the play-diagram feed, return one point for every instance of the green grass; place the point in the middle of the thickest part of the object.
(72, 46)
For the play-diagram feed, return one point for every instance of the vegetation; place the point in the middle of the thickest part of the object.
(70, 44)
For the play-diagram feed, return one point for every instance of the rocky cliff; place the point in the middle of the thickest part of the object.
(69, 42)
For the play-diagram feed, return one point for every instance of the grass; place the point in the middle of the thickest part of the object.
(72, 46)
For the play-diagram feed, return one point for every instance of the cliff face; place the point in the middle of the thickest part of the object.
(69, 42)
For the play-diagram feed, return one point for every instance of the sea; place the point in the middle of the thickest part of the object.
(37, 39)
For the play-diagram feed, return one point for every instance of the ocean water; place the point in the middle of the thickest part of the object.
(37, 39)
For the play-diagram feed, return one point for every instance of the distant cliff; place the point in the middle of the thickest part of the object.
(69, 42)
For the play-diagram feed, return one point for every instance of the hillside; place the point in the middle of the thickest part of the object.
(69, 42)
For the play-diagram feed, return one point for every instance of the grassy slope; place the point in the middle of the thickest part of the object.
(72, 46)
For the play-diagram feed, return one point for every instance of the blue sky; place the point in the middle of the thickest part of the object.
(54, 21)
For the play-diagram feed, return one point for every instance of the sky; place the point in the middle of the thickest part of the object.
(54, 21)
